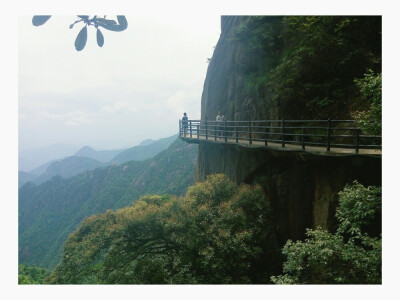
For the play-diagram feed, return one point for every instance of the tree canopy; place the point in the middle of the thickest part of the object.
(351, 255)
(217, 233)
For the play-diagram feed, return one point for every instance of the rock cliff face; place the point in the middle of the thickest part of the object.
(301, 187)
(225, 80)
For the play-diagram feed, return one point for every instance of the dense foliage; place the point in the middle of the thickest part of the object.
(32, 275)
(218, 233)
(49, 212)
(352, 255)
(306, 65)
(370, 119)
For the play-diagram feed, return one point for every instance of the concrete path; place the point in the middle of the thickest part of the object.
(278, 146)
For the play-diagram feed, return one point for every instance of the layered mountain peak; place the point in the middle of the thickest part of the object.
(85, 151)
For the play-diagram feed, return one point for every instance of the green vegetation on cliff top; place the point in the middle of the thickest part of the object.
(308, 66)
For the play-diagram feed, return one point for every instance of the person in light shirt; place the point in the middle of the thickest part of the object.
(220, 123)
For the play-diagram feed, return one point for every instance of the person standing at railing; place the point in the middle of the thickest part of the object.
(220, 123)
(185, 123)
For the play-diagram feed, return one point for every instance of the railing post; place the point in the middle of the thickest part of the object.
(266, 134)
(357, 139)
(283, 134)
(206, 130)
(215, 131)
(328, 142)
(225, 131)
(237, 133)
(302, 139)
(180, 128)
(250, 140)
(190, 128)
(198, 131)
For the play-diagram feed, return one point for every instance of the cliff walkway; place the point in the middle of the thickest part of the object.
(324, 137)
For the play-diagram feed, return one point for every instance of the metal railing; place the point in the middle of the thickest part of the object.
(317, 133)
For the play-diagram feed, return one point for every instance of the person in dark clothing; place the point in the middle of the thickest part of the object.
(185, 123)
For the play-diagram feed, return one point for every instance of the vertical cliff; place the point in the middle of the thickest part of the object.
(227, 76)
(302, 188)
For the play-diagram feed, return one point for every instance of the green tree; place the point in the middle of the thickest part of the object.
(32, 274)
(23, 279)
(370, 120)
(352, 255)
(218, 233)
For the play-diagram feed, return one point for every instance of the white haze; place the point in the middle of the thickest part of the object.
(135, 87)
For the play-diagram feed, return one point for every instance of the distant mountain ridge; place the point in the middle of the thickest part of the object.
(30, 159)
(146, 149)
(52, 210)
(101, 156)
(68, 167)
(147, 142)
(88, 159)
(24, 177)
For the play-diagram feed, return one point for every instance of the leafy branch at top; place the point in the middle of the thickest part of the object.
(80, 41)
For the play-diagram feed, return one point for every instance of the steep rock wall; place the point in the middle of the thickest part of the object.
(301, 187)
(226, 77)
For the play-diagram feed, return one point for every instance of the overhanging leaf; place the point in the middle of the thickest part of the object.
(105, 22)
(84, 17)
(123, 24)
(39, 20)
(100, 38)
(81, 39)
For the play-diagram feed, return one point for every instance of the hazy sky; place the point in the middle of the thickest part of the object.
(135, 87)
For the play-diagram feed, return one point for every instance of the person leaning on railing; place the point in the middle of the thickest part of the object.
(220, 123)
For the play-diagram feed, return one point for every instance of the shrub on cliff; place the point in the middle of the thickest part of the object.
(351, 255)
(370, 120)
